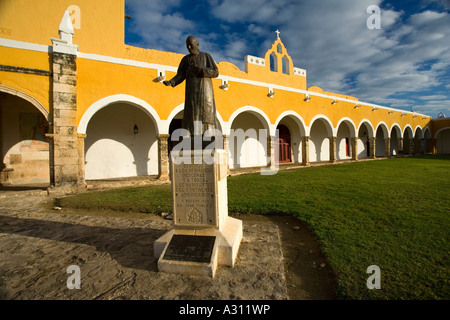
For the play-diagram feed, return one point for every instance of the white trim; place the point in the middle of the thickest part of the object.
(25, 45)
(255, 60)
(385, 130)
(355, 132)
(160, 67)
(415, 130)
(412, 131)
(299, 72)
(127, 62)
(297, 118)
(395, 124)
(259, 113)
(100, 104)
(134, 63)
(28, 98)
(370, 125)
(327, 120)
(173, 113)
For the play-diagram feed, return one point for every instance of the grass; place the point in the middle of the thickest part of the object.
(392, 213)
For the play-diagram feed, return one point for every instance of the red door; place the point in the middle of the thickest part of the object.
(284, 144)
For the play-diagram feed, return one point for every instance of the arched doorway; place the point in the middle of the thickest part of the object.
(443, 141)
(284, 144)
(408, 139)
(121, 141)
(418, 141)
(293, 133)
(396, 136)
(319, 143)
(365, 135)
(345, 135)
(24, 146)
(380, 142)
(248, 141)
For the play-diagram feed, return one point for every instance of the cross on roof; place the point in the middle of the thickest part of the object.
(278, 34)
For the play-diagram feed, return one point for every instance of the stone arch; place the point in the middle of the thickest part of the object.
(345, 133)
(24, 145)
(418, 140)
(249, 130)
(396, 128)
(320, 133)
(381, 134)
(366, 133)
(442, 138)
(296, 125)
(119, 98)
(121, 138)
(28, 98)
(408, 140)
(257, 112)
(396, 136)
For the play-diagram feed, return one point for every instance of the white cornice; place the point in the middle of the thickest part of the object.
(25, 45)
(159, 67)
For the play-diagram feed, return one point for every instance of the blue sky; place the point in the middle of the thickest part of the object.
(405, 64)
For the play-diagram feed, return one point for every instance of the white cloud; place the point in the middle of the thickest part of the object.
(328, 38)
(158, 26)
(433, 97)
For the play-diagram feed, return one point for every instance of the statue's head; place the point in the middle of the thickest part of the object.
(192, 44)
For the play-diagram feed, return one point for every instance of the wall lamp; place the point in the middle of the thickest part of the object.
(390, 111)
(225, 85)
(271, 93)
(334, 101)
(356, 106)
(161, 77)
(374, 109)
(307, 97)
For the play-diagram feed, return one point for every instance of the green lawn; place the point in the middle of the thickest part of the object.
(390, 213)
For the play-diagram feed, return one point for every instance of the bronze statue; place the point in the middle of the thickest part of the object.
(197, 68)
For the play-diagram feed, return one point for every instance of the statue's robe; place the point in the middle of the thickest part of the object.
(199, 104)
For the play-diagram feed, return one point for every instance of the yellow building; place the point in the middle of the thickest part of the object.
(77, 103)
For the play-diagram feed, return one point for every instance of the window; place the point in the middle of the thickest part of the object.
(273, 62)
(285, 62)
(279, 48)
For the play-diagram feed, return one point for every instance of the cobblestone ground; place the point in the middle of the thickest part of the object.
(115, 257)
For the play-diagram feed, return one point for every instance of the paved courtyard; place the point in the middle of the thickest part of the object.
(278, 258)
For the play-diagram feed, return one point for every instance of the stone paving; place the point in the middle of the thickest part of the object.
(115, 257)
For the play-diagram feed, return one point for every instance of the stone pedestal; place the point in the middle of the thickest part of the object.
(203, 235)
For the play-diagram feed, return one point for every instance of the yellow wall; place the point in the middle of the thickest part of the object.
(36, 21)
(33, 85)
(102, 32)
